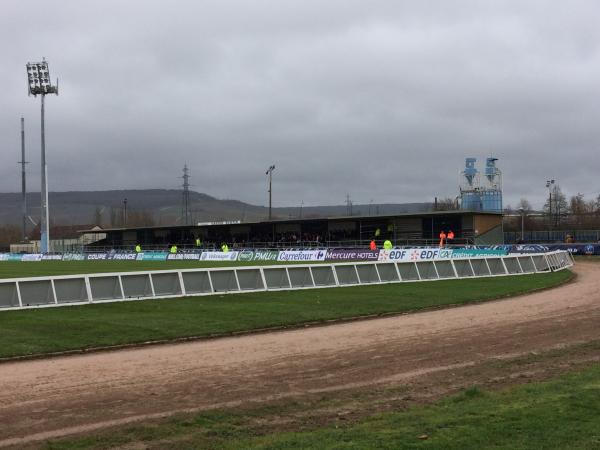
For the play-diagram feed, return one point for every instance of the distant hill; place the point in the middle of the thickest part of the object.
(163, 207)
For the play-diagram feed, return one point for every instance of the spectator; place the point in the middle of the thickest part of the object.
(442, 238)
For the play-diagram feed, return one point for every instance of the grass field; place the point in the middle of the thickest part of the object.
(18, 269)
(44, 330)
(560, 414)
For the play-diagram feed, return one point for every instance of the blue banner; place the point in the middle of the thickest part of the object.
(575, 249)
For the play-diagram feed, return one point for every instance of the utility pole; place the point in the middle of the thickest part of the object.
(522, 211)
(270, 173)
(549, 185)
(23, 181)
(38, 76)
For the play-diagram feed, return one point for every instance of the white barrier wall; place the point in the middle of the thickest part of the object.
(21, 293)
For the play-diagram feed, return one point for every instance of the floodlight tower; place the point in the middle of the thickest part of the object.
(270, 173)
(38, 77)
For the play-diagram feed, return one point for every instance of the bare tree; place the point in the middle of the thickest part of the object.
(577, 204)
(9, 234)
(98, 216)
(557, 207)
(524, 205)
(140, 218)
(447, 204)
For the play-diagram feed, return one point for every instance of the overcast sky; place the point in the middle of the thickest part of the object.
(380, 99)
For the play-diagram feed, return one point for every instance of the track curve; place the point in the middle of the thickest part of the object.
(41, 399)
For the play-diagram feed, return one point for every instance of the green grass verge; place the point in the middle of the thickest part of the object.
(560, 414)
(563, 414)
(19, 269)
(45, 330)
(591, 258)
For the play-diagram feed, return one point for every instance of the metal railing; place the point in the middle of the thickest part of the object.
(20, 293)
(281, 245)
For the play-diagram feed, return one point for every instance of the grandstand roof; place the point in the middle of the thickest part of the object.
(303, 219)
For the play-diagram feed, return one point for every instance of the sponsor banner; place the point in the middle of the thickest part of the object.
(96, 256)
(577, 249)
(246, 255)
(475, 252)
(505, 247)
(183, 256)
(152, 256)
(73, 257)
(302, 255)
(258, 255)
(415, 254)
(123, 256)
(32, 257)
(10, 256)
(351, 255)
(430, 254)
(52, 257)
(219, 256)
(528, 248)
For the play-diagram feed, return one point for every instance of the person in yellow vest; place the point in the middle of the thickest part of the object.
(198, 243)
(224, 248)
(173, 249)
(387, 245)
(442, 238)
(377, 232)
(138, 248)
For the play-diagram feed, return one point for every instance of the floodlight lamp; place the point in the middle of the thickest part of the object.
(38, 77)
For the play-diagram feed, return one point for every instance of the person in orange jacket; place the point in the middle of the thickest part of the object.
(450, 237)
(442, 238)
(373, 245)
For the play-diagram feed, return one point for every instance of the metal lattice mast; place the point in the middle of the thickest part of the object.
(185, 208)
(23, 181)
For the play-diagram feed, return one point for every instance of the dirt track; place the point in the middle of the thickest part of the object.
(50, 398)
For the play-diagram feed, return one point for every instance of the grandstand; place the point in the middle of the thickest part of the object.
(470, 227)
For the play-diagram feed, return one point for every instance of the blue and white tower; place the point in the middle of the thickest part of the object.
(481, 193)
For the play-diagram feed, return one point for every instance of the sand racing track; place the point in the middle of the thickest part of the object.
(54, 397)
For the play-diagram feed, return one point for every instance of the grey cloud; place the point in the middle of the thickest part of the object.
(383, 100)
